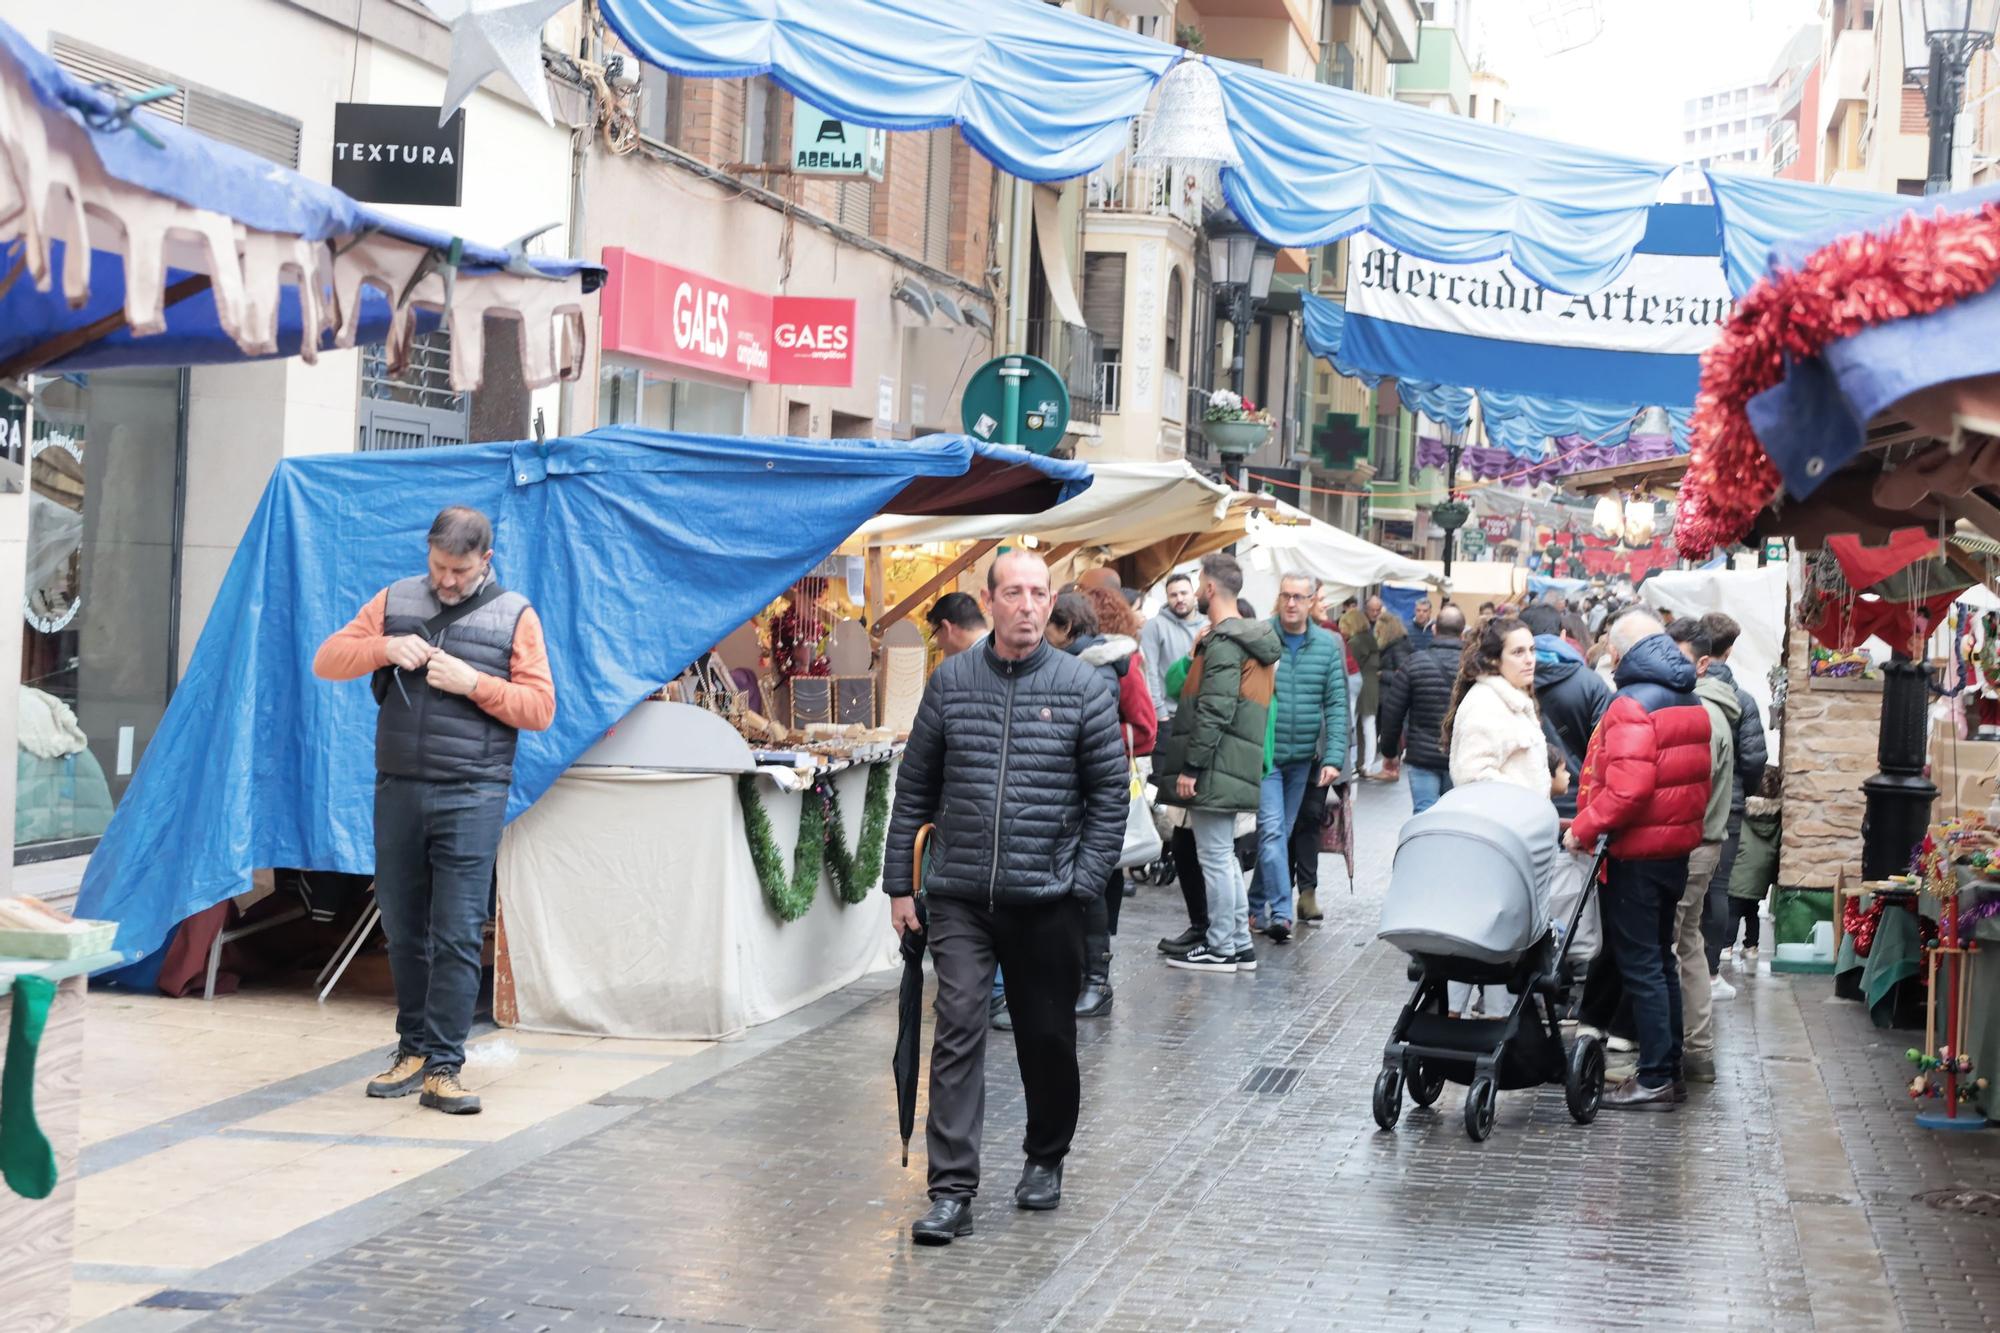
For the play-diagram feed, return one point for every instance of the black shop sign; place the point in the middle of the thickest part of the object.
(397, 154)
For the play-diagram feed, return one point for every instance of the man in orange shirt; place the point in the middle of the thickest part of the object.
(459, 669)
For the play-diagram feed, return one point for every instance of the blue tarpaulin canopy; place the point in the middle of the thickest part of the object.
(640, 550)
(134, 241)
(1816, 418)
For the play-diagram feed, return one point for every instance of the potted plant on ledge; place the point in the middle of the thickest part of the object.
(1233, 424)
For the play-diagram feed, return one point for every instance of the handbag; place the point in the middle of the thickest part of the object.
(1142, 836)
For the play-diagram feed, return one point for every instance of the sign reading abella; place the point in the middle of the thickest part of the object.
(1489, 325)
(823, 146)
(387, 154)
(684, 318)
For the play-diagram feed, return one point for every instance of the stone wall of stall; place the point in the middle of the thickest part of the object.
(1830, 739)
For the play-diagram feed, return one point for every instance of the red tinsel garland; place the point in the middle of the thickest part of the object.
(1923, 265)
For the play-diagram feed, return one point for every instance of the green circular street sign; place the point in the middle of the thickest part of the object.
(1026, 389)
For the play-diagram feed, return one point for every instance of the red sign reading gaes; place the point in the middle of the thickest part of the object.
(684, 318)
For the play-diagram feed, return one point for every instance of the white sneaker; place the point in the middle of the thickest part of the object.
(1720, 990)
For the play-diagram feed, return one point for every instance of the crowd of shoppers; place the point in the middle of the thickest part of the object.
(1634, 729)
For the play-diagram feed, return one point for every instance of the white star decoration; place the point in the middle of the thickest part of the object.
(496, 37)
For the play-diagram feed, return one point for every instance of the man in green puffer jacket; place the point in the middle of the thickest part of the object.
(1310, 706)
(1213, 759)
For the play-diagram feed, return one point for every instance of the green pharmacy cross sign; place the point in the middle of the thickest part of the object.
(1017, 400)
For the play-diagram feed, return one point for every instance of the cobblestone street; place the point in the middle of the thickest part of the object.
(757, 1185)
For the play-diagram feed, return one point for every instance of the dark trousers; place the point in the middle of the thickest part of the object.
(434, 849)
(1305, 837)
(1717, 925)
(1639, 902)
(1041, 947)
(1187, 873)
(1100, 923)
(1743, 915)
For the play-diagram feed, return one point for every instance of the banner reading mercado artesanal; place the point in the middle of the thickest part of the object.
(1489, 326)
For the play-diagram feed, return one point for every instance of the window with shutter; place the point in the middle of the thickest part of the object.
(937, 201)
(1104, 297)
(1176, 299)
(857, 206)
(219, 116)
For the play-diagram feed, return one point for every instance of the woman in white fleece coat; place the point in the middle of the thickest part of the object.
(1494, 733)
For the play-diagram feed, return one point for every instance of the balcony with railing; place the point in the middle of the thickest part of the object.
(1078, 356)
(1125, 185)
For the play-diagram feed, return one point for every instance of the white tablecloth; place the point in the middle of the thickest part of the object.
(632, 909)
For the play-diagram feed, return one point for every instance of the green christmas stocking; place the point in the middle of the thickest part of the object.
(26, 1159)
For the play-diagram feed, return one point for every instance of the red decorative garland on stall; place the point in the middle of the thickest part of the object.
(1921, 266)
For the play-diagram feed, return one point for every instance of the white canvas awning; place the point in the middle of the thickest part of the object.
(1292, 542)
(1128, 506)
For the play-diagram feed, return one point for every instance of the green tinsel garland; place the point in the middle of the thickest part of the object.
(822, 844)
(789, 899)
(855, 879)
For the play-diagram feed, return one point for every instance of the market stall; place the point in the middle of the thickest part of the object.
(136, 242)
(643, 898)
(1152, 516)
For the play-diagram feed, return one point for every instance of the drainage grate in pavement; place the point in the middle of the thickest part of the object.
(1979, 1203)
(173, 1299)
(1272, 1080)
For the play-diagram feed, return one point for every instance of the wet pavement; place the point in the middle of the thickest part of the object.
(758, 1185)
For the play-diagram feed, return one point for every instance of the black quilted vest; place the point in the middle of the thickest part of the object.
(427, 734)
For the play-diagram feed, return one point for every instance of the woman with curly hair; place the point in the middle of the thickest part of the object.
(1493, 731)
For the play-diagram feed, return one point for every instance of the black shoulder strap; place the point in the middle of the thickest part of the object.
(436, 625)
(451, 615)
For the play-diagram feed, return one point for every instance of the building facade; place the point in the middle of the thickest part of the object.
(143, 481)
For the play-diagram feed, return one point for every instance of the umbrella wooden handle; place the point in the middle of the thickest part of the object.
(917, 859)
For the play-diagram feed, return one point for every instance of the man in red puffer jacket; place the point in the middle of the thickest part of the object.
(1645, 784)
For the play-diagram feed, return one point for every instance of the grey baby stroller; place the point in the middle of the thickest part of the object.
(1468, 901)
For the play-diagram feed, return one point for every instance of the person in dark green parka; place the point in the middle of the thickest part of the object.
(1213, 759)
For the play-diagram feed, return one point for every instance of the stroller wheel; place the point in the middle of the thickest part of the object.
(1481, 1100)
(1425, 1086)
(1388, 1098)
(1585, 1084)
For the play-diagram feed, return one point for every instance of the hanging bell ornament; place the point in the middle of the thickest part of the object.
(1189, 127)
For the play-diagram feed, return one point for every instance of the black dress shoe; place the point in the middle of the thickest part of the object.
(1095, 1000)
(947, 1220)
(1040, 1189)
(1177, 946)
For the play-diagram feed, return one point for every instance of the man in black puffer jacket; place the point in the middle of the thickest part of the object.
(1017, 761)
(1414, 703)
(1572, 698)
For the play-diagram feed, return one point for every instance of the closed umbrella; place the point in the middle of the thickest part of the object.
(910, 1006)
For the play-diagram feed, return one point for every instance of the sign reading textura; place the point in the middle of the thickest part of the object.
(385, 154)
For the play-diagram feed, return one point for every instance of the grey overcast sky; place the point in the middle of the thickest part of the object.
(1624, 90)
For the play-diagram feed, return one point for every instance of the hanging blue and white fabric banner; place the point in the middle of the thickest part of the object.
(1521, 423)
(1489, 325)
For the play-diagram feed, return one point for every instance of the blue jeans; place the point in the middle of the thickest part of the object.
(434, 848)
(1426, 785)
(999, 984)
(1222, 875)
(1277, 807)
(1639, 901)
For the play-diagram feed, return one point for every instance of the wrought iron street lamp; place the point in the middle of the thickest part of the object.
(1242, 265)
(1940, 37)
